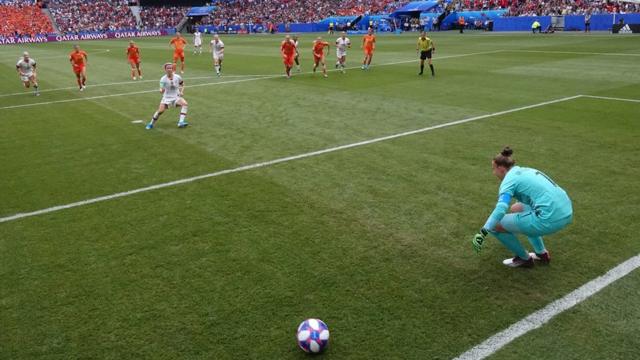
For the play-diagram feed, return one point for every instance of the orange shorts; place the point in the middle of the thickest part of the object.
(317, 57)
(178, 55)
(368, 51)
(288, 60)
(134, 61)
(78, 69)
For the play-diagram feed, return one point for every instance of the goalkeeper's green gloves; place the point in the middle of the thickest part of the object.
(478, 240)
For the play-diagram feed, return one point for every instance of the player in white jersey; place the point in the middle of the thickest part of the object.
(217, 49)
(172, 88)
(296, 58)
(26, 68)
(342, 44)
(197, 42)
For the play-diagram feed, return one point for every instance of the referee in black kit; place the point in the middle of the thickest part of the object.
(425, 48)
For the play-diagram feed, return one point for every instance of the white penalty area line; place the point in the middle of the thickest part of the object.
(130, 82)
(276, 161)
(258, 77)
(571, 52)
(536, 319)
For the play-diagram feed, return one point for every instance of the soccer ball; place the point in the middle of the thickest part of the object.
(313, 336)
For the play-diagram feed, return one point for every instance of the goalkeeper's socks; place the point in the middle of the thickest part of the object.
(537, 244)
(512, 243)
(433, 73)
(421, 69)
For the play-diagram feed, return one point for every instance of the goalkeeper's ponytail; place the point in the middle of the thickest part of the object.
(504, 159)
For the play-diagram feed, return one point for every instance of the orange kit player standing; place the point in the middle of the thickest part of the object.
(288, 52)
(78, 59)
(369, 45)
(133, 54)
(178, 43)
(318, 54)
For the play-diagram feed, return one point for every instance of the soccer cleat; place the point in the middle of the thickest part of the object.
(420, 73)
(325, 75)
(149, 126)
(544, 258)
(140, 77)
(516, 261)
(362, 67)
(81, 88)
(134, 78)
(183, 124)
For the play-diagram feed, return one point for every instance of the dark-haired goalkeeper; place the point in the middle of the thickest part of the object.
(541, 208)
(425, 49)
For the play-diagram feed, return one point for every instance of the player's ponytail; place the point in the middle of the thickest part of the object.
(504, 159)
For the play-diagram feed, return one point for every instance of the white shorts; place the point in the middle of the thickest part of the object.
(341, 53)
(26, 77)
(170, 102)
(197, 43)
(217, 57)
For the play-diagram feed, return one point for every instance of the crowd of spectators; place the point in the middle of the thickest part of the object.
(162, 16)
(293, 11)
(74, 16)
(568, 7)
(23, 18)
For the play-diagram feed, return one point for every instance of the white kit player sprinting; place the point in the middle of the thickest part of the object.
(26, 68)
(197, 42)
(342, 44)
(172, 88)
(217, 49)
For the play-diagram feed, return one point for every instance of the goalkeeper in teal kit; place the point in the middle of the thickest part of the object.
(542, 208)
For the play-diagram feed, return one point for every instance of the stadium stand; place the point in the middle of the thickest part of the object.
(23, 18)
(76, 16)
(160, 17)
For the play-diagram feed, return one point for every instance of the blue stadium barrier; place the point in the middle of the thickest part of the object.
(470, 17)
(571, 23)
(520, 23)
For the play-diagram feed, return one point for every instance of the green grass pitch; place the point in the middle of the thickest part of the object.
(374, 240)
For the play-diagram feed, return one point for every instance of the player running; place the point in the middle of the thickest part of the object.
(288, 52)
(319, 55)
(425, 48)
(79, 59)
(172, 89)
(197, 42)
(26, 68)
(342, 44)
(542, 208)
(133, 56)
(369, 46)
(296, 58)
(217, 50)
(178, 43)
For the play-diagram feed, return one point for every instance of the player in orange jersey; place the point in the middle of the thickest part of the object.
(288, 52)
(133, 54)
(178, 43)
(318, 54)
(369, 45)
(78, 59)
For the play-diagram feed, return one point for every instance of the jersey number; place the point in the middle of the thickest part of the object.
(546, 177)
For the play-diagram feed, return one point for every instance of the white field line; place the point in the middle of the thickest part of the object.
(611, 98)
(18, 55)
(274, 162)
(130, 82)
(572, 52)
(542, 316)
(262, 77)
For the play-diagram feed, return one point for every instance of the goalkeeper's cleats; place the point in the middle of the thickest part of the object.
(516, 261)
(543, 258)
